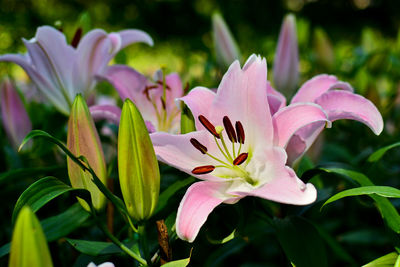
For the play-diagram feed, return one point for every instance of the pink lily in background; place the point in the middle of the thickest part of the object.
(155, 101)
(336, 98)
(238, 148)
(286, 63)
(60, 71)
(14, 117)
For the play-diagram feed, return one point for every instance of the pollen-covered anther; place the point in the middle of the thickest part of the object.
(198, 145)
(240, 159)
(208, 125)
(239, 132)
(230, 131)
(203, 169)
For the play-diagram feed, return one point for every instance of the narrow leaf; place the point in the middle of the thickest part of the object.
(187, 120)
(384, 191)
(377, 155)
(385, 261)
(94, 248)
(40, 193)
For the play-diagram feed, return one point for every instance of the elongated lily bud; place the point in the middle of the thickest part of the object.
(226, 49)
(137, 164)
(323, 49)
(28, 245)
(286, 63)
(15, 119)
(83, 140)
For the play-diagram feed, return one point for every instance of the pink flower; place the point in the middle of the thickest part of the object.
(238, 148)
(286, 64)
(60, 71)
(336, 98)
(15, 119)
(156, 103)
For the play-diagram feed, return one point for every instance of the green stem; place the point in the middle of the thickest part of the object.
(122, 246)
(143, 242)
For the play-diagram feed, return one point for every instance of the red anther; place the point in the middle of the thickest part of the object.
(239, 132)
(203, 169)
(198, 145)
(208, 125)
(240, 159)
(77, 38)
(229, 129)
(147, 89)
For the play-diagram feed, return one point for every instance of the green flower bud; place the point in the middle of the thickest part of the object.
(83, 140)
(137, 164)
(28, 245)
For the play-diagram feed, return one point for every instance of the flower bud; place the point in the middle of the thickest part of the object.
(137, 164)
(83, 140)
(226, 49)
(286, 63)
(28, 245)
(15, 119)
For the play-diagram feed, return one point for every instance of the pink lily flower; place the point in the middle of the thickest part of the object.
(15, 119)
(60, 71)
(338, 101)
(156, 103)
(238, 148)
(286, 64)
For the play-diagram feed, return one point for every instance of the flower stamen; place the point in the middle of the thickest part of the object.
(203, 169)
(198, 145)
(208, 125)
(240, 159)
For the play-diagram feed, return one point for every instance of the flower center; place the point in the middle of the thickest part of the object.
(229, 160)
(165, 117)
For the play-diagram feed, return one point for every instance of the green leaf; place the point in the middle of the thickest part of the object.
(187, 120)
(388, 260)
(41, 192)
(82, 163)
(178, 263)
(384, 191)
(385, 207)
(377, 155)
(301, 242)
(223, 240)
(171, 190)
(63, 224)
(94, 248)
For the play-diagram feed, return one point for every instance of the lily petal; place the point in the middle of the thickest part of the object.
(242, 97)
(347, 105)
(177, 151)
(52, 57)
(93, 54)
(294, 117)
(199, 201)
(286, 188)
(133, 36)
(107, 112)
(317, 86)
(128, 82)
(42, 83)
(199, 101)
